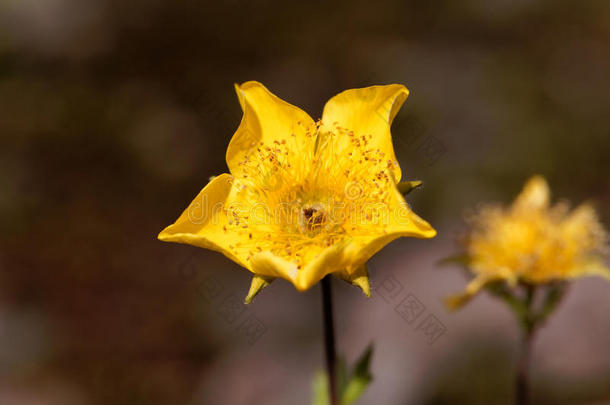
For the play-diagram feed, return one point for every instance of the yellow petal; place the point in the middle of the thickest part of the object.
(330, 260)
(266, 119)
(365, 111)
(475, 285)
(201, 224)
(326, 261)
(535, 194)
(359, 278)
(267, 264)
(594, 266)
(404, 220)
(398, 221)
(598, 269)
(258, 283)
(583, 228)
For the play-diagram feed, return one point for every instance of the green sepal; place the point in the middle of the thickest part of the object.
(258, 283)
(359, 278)
(554, 296)
(405, 187)
(459, 259)
(500, 290)
(530, 313)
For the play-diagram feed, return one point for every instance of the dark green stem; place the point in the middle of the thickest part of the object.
(329, 340)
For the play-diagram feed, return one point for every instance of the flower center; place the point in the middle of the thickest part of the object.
(312, 219)
(310, 192)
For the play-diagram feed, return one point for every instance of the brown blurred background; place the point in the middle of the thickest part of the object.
(113, 114)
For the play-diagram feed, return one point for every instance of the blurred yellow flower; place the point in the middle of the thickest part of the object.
(532, 242)
(305, 199)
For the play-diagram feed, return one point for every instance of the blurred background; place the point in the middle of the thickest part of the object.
(113, 115)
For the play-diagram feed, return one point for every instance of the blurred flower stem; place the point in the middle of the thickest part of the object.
(528, 325)
(329, 339)
(531, 312)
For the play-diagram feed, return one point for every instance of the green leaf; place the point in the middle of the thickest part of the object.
(349, 387)
(320, 389)
(359, 379)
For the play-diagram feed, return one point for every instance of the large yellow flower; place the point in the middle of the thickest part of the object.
(305, 199)
(533, 242)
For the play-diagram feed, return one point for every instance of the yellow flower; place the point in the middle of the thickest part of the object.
(533, 242)
(305, 199)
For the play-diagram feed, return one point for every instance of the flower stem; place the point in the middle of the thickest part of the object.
(329, 339)
(522, 384)
(529, 324)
